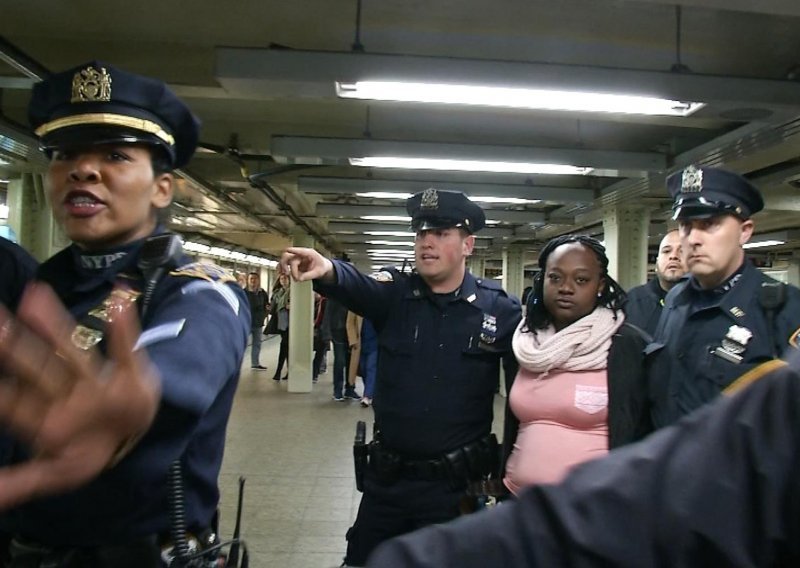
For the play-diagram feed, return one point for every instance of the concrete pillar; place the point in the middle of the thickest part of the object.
(301, 327)
(625, 231)
(31, 218)
(477, 266)
(793, 272)
(514, 270)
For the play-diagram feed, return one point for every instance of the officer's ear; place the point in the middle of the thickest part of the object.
(163, 190)
(468, 244)
(746, 231)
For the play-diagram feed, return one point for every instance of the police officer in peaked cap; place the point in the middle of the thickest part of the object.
(106, 416)
(443, 334)
(727, 317)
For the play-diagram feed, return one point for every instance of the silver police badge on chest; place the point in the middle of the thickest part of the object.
(734, 344)
(488, 329)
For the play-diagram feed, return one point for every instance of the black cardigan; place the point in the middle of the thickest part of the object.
(628, 403)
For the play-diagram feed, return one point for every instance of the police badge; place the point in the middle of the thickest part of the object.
(488, 329)
(430, 199)
(692, 180)
(91, 85)
(734, 344)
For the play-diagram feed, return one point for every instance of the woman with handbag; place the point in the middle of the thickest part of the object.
(581, 388)
(279, 322)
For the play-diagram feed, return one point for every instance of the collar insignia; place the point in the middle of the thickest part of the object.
(91, 85)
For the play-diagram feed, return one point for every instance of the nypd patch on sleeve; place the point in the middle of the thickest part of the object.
(205, 271)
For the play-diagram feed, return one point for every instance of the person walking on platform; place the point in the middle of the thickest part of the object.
(106, 416)
(442, 335)
(727, 317)
(259, 303)
(645, 303)
(279, 323)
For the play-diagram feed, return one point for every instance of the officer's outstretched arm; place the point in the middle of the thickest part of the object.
(77, 411)
(307, 264)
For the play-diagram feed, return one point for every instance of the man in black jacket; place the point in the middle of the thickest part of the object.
(645, 302)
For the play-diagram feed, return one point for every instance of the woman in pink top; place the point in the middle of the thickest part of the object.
(580, 389)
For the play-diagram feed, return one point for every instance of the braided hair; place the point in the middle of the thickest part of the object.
(612, 296)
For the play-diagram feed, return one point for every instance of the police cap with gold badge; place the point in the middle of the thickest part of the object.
(700, 192)
(444, 209)
(96, 103)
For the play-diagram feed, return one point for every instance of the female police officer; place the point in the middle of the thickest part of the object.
(113, 137)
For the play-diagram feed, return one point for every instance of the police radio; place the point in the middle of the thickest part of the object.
(159, 253)
(771, 297)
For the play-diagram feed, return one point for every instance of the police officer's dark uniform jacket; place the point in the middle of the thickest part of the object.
(644, 304)
(707, 338)
(438, 368)
(194, 330)
(16, 270)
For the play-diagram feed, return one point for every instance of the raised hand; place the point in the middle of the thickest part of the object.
(78, 411)
(306, 264)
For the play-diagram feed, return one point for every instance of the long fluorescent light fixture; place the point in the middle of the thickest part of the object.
(439, 164)
(496, 200)
(541, 99)
(771, 243)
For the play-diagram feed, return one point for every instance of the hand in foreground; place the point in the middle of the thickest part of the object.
(77, 411)
(306, 264)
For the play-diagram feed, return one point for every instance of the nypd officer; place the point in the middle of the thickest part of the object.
(727, 317)
(90, 395)
(442, 335)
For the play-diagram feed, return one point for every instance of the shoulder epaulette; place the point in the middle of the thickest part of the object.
(204, 271)
(489, 284)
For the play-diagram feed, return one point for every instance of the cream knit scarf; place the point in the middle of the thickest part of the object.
(581, 346)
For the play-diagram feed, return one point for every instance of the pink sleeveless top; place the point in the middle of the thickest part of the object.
(563, 422)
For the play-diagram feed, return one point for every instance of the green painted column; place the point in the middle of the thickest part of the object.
(477, 266)
(31, 219)
(625, 233)
(514, 270)
(301, 327)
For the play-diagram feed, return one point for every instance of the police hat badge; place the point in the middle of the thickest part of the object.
(90, 85)
(430, 199)
(692, 180)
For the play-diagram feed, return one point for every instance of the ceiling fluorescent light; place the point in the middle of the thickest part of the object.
(759, 244)
(542, 99)
(386, 218)
(495, 200)
(468, 157)
(390, 233)
(466, 165)
(391, 243)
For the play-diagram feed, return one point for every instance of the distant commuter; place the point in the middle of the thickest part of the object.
(645, 302)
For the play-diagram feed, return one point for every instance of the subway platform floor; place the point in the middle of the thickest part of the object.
(296, 453)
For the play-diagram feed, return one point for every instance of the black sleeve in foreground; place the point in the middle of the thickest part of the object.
(719, 488)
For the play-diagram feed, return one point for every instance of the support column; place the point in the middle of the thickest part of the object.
(514, 270)
(31, 219)
(477, 266)
(625, 229)
(793, 272)
(301, 327)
